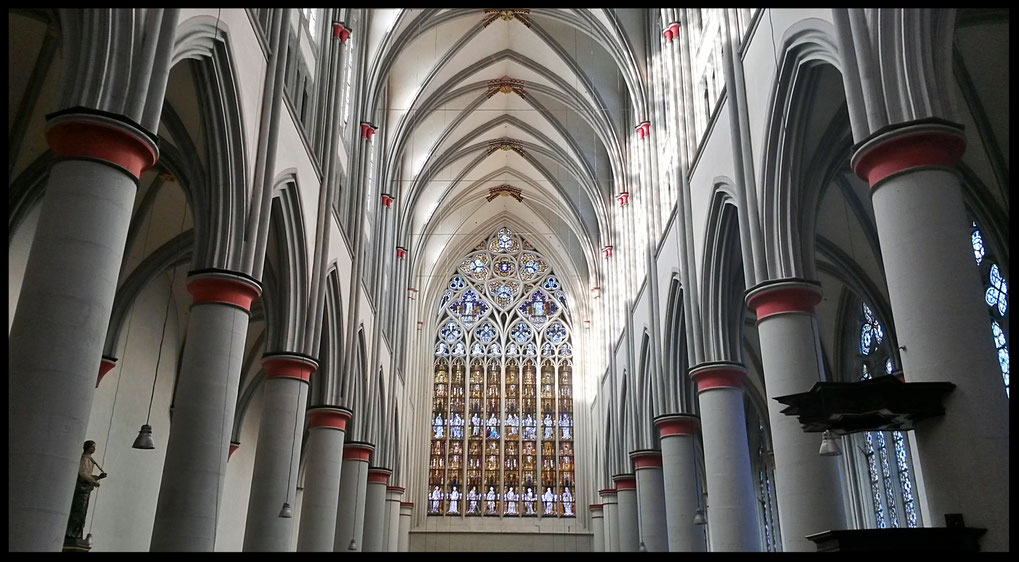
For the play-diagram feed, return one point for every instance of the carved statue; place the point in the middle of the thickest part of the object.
(82, 490)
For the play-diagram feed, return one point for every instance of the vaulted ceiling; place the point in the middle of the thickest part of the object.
(517, 116)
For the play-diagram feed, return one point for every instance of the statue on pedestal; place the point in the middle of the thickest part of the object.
(82, 490)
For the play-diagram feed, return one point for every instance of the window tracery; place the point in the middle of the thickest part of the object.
(888, 468)
(996, 298)
(502, 418)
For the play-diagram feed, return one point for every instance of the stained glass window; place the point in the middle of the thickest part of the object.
(502, 417)
(888, 469)
(996, 298)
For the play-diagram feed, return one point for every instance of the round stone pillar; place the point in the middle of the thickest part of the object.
(375, 512)
(391, 536)
(647, 466)
(56, 338)
(941, 321)
(626, 486)
(406, 512)
(679, 473)
(731, 509)
(278, 454)
(611, 519)
(194, 471)
(597, 528)
(353, 484)
(327, 426)
(807, 485)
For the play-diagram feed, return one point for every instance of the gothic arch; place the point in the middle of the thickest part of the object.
(723, 278)
(808, 53)
(221, 186)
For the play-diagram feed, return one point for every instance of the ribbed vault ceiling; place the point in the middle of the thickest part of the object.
(530, 100)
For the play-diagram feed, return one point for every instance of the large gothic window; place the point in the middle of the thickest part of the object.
(886, 459)
(996, 298)
(502, 412)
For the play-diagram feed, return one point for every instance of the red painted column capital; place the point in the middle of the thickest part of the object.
(718, 374)
(333, 417)
(86, 133)
(358, 450)
(288, 366)
(782, 296)
(625, 482)
(396, 489)
(407, 504)
(596, 506)
(891, 150)
(607, 492)
(106, 365)
(646, 458)
(223, 287)
(379, 475)
(677, 424)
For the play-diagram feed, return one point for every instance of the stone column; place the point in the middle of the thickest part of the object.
(807, 485)
(391, 536)
(277, 456)
(327, 426)
(679, 472)
(941, 320)
(598, 527)
(375, 512)
(647, 465)
(56, 339)
(610, 519)
(199, 442)
(353, 484)
(626, 486)
(406, 513)
(731, 509)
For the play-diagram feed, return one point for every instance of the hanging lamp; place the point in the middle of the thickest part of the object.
(144, 440)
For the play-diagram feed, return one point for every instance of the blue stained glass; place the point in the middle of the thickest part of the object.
(556, 333)
(978, 244)
(504, 241)
(551, 283)
(865, 340)
(511, 349)
(531, 349)
(875, 480)
(486, 333)
(457, 283)
(562, 298)
(441, 349)
(469, 308)
(451, 332)
(565, 350)
(997, 294)
(459, 349)
(886, 474)
(901, 461)
(477, 349)
(445, 298)
(521, 332)
(538, 308)
(547, 350)
(889, 366)
(495, 349)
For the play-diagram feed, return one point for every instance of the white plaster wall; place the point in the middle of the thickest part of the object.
(715, 160)
(122, 510)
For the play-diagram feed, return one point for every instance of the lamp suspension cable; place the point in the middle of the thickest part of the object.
(286, 511)
(144, 439)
